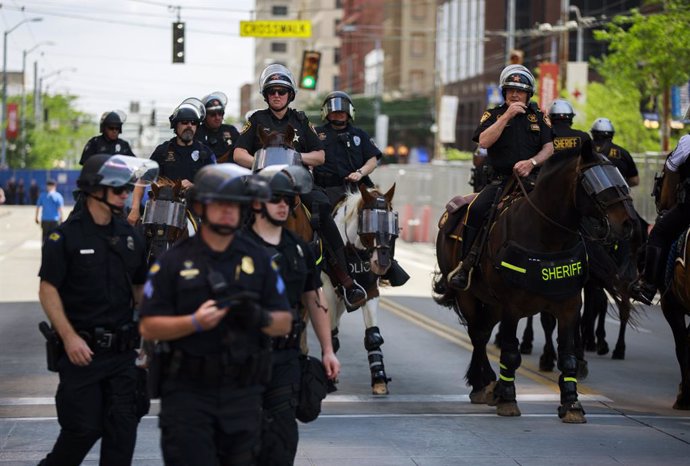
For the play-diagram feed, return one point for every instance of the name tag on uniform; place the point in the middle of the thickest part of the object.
(534, 127)
(188, 274)
(87, 251)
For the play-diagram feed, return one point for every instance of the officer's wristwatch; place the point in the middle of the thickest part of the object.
(534, 162)
(359, 170)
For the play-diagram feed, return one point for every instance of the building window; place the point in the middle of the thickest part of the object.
(336, 82)
(338, 3)
(279, 10)
(418, 46)
(417, 82)
(336, 55)
(279, 47)
(419, 10)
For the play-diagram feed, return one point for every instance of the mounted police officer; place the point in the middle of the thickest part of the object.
(518, 139)
(181, 157)
(602, 134)
(351, 155)
(215, 299)
(92, 270)
(561, 114)
(278, 87)
(298, 267)
(108, 142)
(213, 132)
(669, 224)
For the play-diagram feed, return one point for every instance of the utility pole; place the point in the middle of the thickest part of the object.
(564, 46)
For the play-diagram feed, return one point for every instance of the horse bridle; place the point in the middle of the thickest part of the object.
(378, 222)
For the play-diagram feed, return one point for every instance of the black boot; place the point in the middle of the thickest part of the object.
(644, 288)
(460, 278)
(353, 293)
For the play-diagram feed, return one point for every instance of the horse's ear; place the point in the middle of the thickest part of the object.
(154, 188)
(289, 134)
(365, 192)
(389, 195)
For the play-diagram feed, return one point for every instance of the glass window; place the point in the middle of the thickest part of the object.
(336, 55)
(280, 47)
(279, 10)
(418, 47)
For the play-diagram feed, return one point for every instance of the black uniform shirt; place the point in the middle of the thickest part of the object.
(178, 284)
(305, 139)
(521, 139)
(182, 162)
(89, 274)
(566, 137)
(102, 145)
(296, 263)
(620, 157)
(346, 150)
(220, 140)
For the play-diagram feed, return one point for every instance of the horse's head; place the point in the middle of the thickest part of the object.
(602, 197)
(277, 148)
(377, 227)
(165, 189)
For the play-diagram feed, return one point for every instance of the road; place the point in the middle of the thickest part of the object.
(426, 420)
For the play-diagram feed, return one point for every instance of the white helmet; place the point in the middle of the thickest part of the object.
(561, 110)
(517, 77)
(277, 75)
(602, 128)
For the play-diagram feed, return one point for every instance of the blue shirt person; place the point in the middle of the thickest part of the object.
(49, 206)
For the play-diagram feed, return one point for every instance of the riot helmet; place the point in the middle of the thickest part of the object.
(337, 101)
(602, 128)
(112, 118)
(215, 102)
(191, 109)
(517, 77)
(561, 110)
(286, 182)
(277, 75)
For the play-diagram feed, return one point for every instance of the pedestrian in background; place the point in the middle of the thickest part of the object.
(34, 191)
(49, 208)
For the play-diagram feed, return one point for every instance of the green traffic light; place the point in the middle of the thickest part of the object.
(308, 82)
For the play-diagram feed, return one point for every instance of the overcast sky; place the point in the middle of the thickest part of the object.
(122, 50)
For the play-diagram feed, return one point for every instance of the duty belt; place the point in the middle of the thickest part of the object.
(102, 339)
(211, 369)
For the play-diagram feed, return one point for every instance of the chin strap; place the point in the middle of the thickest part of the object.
(337, 123)
(278, 223)
(113, 208)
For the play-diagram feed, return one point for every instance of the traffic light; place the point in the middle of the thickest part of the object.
(178, 43)
(310, 69)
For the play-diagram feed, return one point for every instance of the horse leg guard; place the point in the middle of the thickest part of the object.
(570, 410)
(504, 392)
(372, 342)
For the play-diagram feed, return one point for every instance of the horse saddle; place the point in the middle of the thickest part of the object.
(451, 223)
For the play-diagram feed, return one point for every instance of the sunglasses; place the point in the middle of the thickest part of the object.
(277, 90)
(188, 122)
(117, 190)
(215, 114)
(277, 198)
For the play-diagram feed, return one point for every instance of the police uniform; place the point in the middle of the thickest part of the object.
(182, 162)
(566, 138)
(93, 268)
(279, 432)
(347, 150)
(620, 157)
(221, 140)
(102, 145)
(305, 139)
(212, 380)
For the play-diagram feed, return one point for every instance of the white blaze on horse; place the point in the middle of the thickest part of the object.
(369, 227)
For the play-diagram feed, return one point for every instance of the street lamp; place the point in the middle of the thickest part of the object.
(23, 112)
(3, 156)
(581, 24)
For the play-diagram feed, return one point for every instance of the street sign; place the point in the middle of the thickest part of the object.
(269, 28)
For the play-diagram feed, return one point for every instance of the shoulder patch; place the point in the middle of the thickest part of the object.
(54, 236)
(547, 120)
(154, 269)
(246, 127)
(485, 117)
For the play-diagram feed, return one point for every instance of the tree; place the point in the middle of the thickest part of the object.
(650, 52)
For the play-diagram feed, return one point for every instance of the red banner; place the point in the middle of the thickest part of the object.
(12, 121)
(548, 85)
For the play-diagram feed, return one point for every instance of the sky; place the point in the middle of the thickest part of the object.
(111, 52)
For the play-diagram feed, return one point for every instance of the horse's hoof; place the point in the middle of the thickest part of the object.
(546, 363)
(525, 348)
(582, 369)
(602, 347)
(618, 353)
(572, 413)
(484, 395)
(379, 388)
(508, 408)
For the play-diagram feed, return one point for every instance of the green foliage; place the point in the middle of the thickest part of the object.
(451, 153)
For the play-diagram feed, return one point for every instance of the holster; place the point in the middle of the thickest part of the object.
(54, 348)
(158, 360)
(257, 369)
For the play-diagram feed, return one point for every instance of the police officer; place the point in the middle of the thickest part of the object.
(518, 138)
(181, 157)
(92, 269)
(108, 142)
(215, 298)
(278, 87)
(351, 155)
(602, 134)
(561, 114)
(301, 274)
(668, 226)
(213, 132)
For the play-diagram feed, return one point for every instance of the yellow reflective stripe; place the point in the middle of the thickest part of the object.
(502, 366)
(569, 379)
(506, 379)
(513, 267)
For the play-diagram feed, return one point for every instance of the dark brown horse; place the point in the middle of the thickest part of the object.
(533, 262)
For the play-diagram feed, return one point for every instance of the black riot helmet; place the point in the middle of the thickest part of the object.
(602, 128)
(113, 118)
(285, 181)
(191, 109)
(337, 101)
(561, 110)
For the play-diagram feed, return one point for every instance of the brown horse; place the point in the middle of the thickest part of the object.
(534, 261)
(675, 299)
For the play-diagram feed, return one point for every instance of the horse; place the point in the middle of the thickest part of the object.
(369, 227)
(534, 261)
(166, 219)
(675, 297)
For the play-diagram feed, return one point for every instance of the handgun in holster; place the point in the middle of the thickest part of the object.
(54, 348)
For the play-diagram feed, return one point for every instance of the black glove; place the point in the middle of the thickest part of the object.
(246, 310)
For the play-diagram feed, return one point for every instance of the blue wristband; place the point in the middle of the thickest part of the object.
(196, 324)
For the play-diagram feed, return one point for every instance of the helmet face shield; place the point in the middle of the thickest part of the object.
(191, 109)
(215, 102)
(120, 170)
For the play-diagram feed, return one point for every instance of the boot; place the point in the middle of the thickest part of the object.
(644, 288)
(460, 278)
(354, 294)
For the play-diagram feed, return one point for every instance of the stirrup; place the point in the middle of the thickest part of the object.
(357, 304)
(642, 291)
(453, 278)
